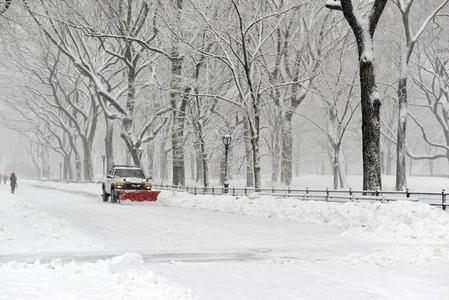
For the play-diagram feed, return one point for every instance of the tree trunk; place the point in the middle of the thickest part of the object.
(287, 151)
(370, 119)
(339, 176)
(203, 158)
(192, 166)
(198, 161)
(134, 153)
(77, 159)
(336, 169)
(177, 135)
(276, 146)
(343, 180)
(65, 167)
(204, 164)
(78, 167)
(150, 154)
(256, 161)
(401, 167)
(109, 146)
(275, 158)
(68, 169)
(178, 149)
(87, 160)
(128, 121)
(163, 161)
(248, 156)
(198, 167)
(364, 29)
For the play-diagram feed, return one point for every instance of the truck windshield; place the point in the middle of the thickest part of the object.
(129, 173)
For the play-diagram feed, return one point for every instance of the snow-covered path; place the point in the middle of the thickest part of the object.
(179, 234)
(213, 254)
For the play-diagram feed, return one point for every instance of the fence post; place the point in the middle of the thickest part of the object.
(233, 191)
(350, 191)
(272, 190)
(213, 191)
(443, 199)
(327, 194)
(407, 193)
(194, 190)
(245, 190)
(289, 190)
(377, 192)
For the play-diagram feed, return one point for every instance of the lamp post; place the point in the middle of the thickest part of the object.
(226, 142)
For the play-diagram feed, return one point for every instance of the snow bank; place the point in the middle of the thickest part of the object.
(400, 221)
(123, 277)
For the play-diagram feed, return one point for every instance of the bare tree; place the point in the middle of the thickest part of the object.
(311, 41)
(411, 38)
(341, 109)
(93, 61)
(241, 47)
(433, 80)
(364, 28)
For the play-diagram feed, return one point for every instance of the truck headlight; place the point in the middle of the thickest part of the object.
(144, 180)
(126, 180)
(118, 185)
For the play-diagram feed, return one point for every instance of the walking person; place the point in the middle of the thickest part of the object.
(13, 182)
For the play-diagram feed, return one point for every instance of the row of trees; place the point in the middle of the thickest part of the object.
(182, 72)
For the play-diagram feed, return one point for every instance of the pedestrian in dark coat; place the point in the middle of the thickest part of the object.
(13, 182)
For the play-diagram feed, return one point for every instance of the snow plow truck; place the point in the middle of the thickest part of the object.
(127, 183)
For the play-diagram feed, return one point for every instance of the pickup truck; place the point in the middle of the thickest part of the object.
(126, 182)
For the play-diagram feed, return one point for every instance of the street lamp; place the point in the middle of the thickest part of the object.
(226, 142)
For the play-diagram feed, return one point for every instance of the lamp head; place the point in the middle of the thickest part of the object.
(226, 139)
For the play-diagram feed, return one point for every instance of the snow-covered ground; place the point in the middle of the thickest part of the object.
(122, 277)
(60, 240)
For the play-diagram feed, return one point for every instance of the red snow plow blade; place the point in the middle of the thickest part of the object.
(139, 196)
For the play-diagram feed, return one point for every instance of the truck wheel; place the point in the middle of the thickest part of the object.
(114, 196)
(105, 195)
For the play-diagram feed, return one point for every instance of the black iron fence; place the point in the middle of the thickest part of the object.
(438, 199)
(433, 198)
